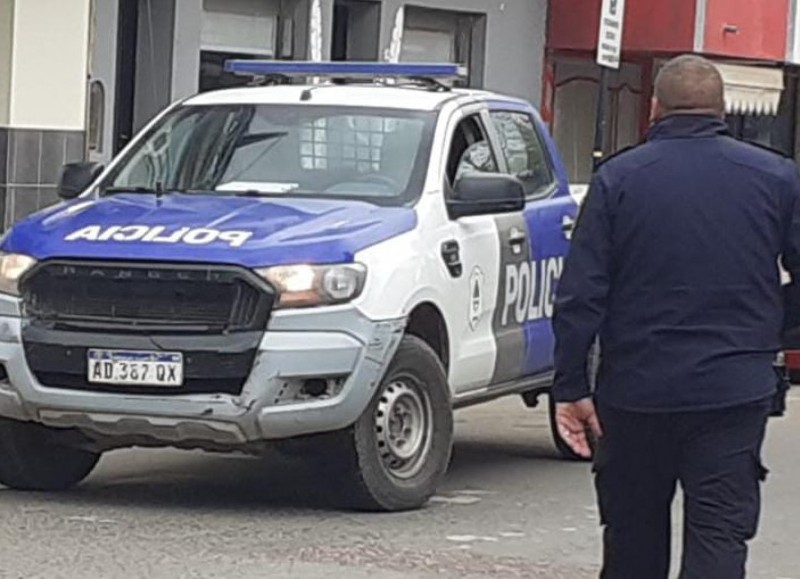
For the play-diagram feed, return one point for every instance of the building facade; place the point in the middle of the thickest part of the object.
(78, 78)
(754, 44)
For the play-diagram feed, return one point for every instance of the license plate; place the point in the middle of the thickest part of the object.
(126, 368)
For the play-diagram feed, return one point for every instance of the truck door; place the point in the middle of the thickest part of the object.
(528, 287)
(474, 240)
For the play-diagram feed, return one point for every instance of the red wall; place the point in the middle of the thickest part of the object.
(650, 25)
(762, 28)
(573, 24)
(669, 25)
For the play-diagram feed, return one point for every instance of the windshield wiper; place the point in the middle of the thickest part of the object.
(158, 190)
(257, 193)
(145, 190)
(153, 190)
(258, 137)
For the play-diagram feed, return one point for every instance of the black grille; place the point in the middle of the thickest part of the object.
(206, 372)
(146, 298)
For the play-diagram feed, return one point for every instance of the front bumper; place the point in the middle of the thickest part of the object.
(339, 343)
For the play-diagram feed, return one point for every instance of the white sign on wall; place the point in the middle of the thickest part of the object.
(609, 41)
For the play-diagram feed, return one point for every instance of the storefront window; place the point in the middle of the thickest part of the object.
(754, 129)
(776, 130)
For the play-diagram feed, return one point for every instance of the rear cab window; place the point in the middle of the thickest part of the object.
(524, 152)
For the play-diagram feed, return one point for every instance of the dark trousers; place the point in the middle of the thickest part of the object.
(716, 457)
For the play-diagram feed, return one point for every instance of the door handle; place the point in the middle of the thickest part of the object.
(517, 237)
(451, 254)
(568, 226)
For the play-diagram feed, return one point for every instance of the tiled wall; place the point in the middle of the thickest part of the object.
(30, 163)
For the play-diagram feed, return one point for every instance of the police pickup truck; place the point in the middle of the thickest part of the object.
(340, 263)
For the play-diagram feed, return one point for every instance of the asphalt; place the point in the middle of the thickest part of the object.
(508, 509)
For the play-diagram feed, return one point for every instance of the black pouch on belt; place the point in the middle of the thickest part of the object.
(779, 399)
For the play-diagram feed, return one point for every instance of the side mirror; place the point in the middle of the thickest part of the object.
(76, 177)
(486, 194)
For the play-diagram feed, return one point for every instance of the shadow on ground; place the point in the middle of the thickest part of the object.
(193, 480)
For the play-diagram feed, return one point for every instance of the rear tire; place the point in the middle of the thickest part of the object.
(398, 451)
(31, 458)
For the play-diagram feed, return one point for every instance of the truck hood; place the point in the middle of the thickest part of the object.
(248, 231)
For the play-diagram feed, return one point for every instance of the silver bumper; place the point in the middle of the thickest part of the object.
(298, 346)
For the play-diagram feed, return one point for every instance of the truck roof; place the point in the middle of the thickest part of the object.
(358, 95)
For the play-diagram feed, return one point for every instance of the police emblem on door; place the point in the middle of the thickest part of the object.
(475, 297)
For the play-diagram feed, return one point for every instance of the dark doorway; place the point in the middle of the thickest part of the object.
(127, 39)
(356, 26)
(341, 15)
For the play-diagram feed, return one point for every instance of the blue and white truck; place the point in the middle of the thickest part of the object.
(343, 263)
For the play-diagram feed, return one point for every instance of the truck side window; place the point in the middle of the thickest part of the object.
(524, 151)
(469, 150)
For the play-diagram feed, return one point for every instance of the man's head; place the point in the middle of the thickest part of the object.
(688, 84)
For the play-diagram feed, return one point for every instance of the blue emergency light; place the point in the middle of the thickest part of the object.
(363, 70)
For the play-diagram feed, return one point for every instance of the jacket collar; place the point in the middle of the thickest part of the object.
(688, 126)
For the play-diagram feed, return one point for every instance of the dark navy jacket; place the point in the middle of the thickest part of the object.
(674, 264)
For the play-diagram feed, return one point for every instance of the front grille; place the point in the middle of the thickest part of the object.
(215, 316)
(146, 298)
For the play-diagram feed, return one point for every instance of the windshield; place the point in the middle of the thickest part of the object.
(378, 155)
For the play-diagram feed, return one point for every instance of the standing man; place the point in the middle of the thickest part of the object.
(674, 266)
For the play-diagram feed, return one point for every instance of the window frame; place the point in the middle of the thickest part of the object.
(462, 115)
(544, 192)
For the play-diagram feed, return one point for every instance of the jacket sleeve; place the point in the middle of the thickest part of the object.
(582, 293)
(791, 241)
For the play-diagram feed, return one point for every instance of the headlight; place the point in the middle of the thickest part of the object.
(315, 285)
(12, 267)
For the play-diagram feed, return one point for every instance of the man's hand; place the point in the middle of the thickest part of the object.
(575, 421)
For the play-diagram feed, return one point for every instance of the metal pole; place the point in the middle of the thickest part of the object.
(601, 119)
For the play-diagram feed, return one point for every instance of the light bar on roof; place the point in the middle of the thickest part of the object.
(371, 70)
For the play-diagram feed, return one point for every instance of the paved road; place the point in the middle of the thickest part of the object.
(508, 509)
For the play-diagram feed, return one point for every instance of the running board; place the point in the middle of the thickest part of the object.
(531, 386)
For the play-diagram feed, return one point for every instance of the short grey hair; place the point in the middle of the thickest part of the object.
(690, 83)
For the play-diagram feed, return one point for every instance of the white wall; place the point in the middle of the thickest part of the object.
(793, 48)
(103, 68)
(51, 42)
(515, 39)
(6, 39)
(186, 48)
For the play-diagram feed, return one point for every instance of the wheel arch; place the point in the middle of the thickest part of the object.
(427, 322)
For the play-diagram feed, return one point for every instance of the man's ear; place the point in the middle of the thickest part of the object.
(656, 110)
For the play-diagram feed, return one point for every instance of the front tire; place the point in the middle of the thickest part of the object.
(31, 458)
(398, 451)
